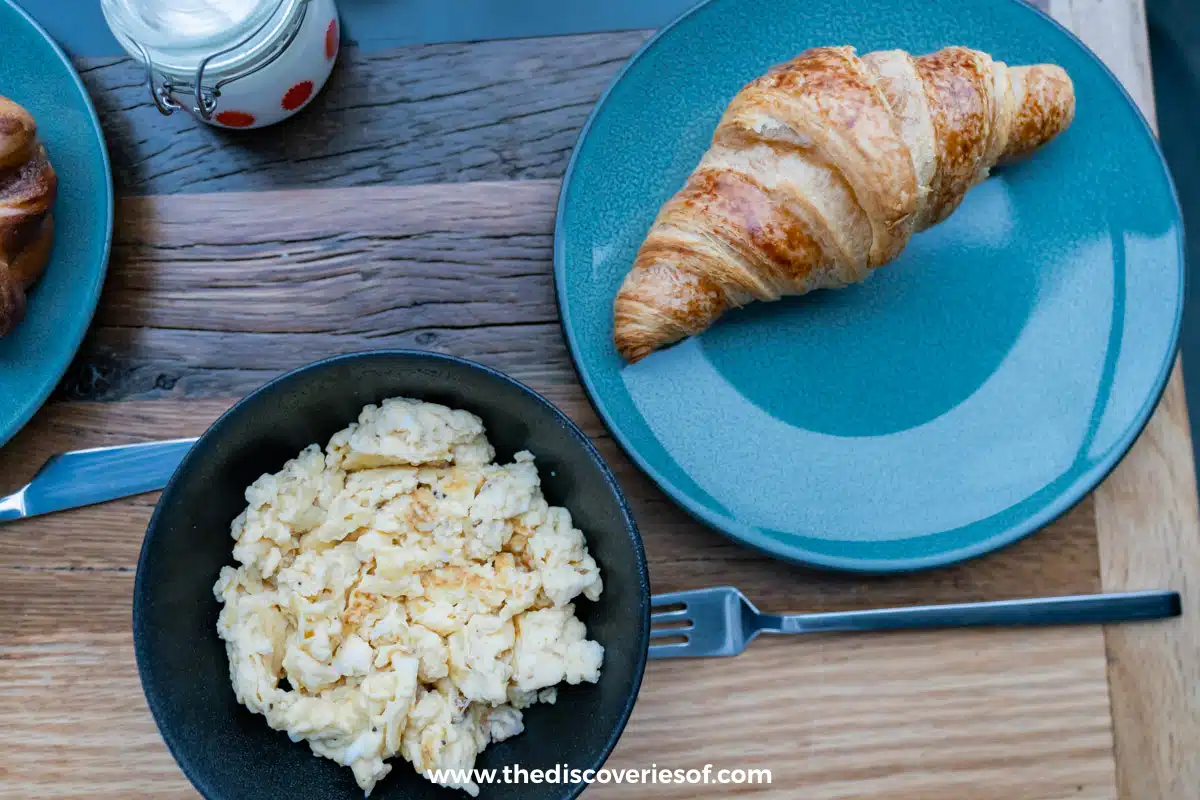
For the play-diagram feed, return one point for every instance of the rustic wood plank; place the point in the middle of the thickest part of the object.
(1116, 31)
(498, 110)
(995, 717)
(479, 111)
(1147, 517)
(989, 714)
(102, 743)
(1028, 711)
(1149, 536)
(683, 554)
(210, 294)
(201, 254)
(998, 716)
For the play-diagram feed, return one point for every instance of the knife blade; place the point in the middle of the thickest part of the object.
(85, 477)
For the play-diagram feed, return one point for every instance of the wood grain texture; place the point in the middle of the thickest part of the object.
(1149, 535)
(1147, 517)
(683, 554)
(209, 295)
(500, 110)
(483, 111)
(923, 717)
(81, 737)
(478, 112)
(1002, 716)
(996, 717)
(1116, 31)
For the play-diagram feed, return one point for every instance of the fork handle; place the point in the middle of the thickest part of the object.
(1071, 610)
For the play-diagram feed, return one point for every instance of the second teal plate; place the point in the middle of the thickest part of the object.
(964, 396)
(37, 74)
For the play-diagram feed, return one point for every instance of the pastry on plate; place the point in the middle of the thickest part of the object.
(821, 170)
(28, 187)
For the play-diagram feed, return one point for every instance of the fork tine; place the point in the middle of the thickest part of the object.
(668, 650)
(672, 599)
(709, 621)
(665, 633)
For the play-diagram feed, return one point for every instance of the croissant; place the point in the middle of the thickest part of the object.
(28, 186)
(821, 170)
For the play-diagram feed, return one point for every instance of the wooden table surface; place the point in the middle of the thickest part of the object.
(413, 206)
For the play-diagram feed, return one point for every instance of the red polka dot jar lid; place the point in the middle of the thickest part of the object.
(231, 63)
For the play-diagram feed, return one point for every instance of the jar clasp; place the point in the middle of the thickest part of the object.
(205, 98)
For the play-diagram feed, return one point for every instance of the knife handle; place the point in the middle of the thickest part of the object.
(84, 477)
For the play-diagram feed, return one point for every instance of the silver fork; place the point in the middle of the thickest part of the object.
(720, 621)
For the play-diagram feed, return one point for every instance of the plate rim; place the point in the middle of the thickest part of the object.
(750, 536)
(36, 399)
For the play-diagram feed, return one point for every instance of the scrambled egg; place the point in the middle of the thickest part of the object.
(400, 593)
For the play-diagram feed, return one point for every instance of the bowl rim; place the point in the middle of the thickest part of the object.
(750, 536)
(140, 585)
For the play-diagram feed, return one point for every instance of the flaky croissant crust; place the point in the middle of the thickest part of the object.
(821, 170)
(28, 187)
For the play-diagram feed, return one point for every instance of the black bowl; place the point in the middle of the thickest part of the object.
(231, 754)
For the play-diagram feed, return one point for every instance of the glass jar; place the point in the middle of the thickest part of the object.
(231, 63)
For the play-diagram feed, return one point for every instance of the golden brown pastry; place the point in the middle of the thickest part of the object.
(821, 170)
(28, 187)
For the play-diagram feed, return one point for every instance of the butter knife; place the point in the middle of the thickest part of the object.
(84, 477)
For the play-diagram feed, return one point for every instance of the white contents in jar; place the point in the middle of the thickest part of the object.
(192, 19)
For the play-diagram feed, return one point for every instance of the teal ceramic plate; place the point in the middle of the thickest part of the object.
(35, 73)
(965, 395)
